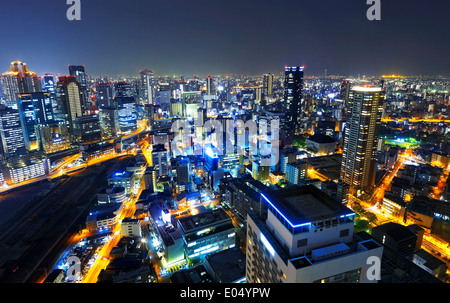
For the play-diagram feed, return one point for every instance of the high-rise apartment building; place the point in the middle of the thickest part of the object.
(147, 89)
(160, 160)
(11, 133)
(293, 85)
(87, 129)
(267, 84)
(209, 85)
(35, 109)
(109, 122)
(69, 97)
(365, 108)
(183, 170)
(79, 73)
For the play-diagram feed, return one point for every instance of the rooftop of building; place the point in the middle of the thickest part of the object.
(305, 204)
(23, 160)
(329, 161)
(228, 265)
(198, 274)
(159, 148)
(394, 198)
(397, 269)
(249, 186)
(431, 261)
(111, 189)
(204, 219)
(121, 174)
(396, 231)
(130, 220)
(321, 139)
(107, 208)
(188, 195)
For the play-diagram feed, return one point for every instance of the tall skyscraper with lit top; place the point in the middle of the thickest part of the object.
(293, 85)
(365, 107)
(19, 80)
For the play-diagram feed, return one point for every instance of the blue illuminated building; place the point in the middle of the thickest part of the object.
(35, 109)
(127, 114)
(305, 236)
(211, 159)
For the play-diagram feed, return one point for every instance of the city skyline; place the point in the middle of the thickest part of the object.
(173, 142)
(225, 38)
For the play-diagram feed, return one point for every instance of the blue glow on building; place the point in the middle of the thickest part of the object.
(267, 244)
(284, 217)
(209, 152)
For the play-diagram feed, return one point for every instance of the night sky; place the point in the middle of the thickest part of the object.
(233, 36)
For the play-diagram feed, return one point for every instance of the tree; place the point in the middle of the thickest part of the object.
(362, 225)
(371, 217)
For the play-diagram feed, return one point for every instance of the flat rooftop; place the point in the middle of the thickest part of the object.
(204, 219)
(228, 264)
(305, 204)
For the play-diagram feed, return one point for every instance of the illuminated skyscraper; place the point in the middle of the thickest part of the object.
(49, 83)
(109, 122)
(87, 130)
(209, 85)
(49, 86)
(104, 95)
(69, 97)
(123, 89)
(35, 109)
(293, 85)
(183, 170)
(160, 160)
(147, 90)
(127, 114)
(345, 91)
(11, 134)
(19, 80)
(365, 107)
(267, 84)
(79, 73)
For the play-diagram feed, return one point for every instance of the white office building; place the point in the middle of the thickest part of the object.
(306, 237)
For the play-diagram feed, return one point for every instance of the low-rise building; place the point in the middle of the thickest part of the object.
(394, 205)
(227, 266)
(103, 217)
(123, 179)
(321, 143)
(131, 228)
(397, 237)
(430, 263)
(207, 232)
(198, 274)
(112, 194)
